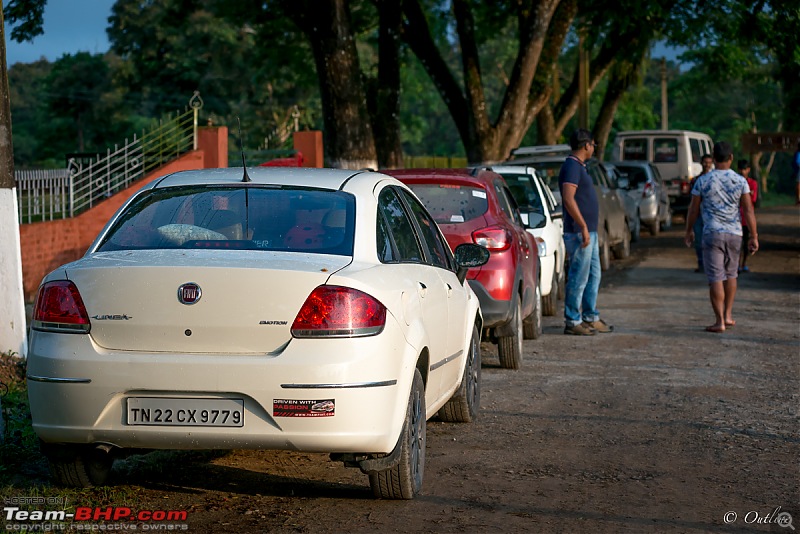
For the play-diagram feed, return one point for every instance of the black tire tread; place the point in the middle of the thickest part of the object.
(459, 409)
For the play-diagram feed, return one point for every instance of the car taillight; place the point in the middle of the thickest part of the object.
(493, 238)
(649, 190)
(334, 311)
(59, 308)
(686, 187)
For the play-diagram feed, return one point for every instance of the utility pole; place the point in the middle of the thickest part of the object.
(583, 82)
(664, 110)
(13, 330)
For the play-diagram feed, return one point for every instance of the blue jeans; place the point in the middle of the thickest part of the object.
(583, 280)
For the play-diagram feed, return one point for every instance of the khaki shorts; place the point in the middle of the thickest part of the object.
(721, 256)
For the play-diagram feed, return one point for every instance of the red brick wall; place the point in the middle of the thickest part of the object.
(47, 245)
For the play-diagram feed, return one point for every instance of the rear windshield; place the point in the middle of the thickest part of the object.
(634, 150)
(452, 203)
(239, 218)
(636, 175)
(665, 150)
(524, 192)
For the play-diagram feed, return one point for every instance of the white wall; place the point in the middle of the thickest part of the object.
(13, 330)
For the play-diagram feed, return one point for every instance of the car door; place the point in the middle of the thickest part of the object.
(404, 248)
(614, 211)
(450, 367)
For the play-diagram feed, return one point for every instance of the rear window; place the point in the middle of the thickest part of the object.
(636, 175)
(237, 218)
(452, 203)
(524, 192)
(634, 150)
(665, 150)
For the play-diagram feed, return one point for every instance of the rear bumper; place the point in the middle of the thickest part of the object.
(495, 312)
(648, 210)
(368, 379)
(680, 203)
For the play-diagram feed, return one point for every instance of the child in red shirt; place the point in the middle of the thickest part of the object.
(744, 170)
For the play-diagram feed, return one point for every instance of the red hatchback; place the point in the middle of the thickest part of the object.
(475, 206)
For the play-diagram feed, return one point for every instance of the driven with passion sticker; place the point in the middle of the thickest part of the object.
(303, 408)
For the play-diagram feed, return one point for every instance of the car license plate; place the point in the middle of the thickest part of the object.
(161, 411)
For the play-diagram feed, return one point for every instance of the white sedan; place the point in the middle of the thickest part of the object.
(544, 220)
(297, 309)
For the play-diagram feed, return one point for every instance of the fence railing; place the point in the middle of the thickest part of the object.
(60, 193)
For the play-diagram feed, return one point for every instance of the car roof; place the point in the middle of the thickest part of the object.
(661, 132)
(477, 177)
(631, 163)
(332, 179)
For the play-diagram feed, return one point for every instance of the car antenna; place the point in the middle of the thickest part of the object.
(245, 178)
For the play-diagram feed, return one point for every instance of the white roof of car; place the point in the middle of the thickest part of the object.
(541, 150)
(292, 176)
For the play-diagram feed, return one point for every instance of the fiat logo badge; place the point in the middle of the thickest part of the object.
(189, 293)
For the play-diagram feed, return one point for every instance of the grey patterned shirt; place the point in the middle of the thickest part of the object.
(721, 192)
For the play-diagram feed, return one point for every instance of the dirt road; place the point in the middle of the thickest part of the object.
(658, 427)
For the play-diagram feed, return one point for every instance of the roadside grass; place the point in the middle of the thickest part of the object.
(771, 200)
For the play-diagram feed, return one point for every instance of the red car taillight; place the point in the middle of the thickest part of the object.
(59, 308)
(492, 238)
(334, 311)
(686, 187)
(649, 190)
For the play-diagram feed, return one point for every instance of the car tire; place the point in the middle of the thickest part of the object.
(509, 348)
(605, 252)
(463, 406)
(636, 231)
(667, 224)
(77, 466)
(532, 325)
(623, 250)
(655, 228)
(404, 480)
(550, 302)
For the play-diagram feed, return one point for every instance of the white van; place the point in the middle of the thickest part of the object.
(676, 154)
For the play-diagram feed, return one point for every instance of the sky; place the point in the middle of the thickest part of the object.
(70, 26)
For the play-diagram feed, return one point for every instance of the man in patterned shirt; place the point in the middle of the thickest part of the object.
(721, 193)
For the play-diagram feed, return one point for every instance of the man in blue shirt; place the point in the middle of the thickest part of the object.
(581, 214)
(720, 193)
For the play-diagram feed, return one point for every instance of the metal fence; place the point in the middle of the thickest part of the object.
(56, 194)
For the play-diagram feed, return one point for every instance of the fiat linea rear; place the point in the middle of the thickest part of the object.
(222, 312)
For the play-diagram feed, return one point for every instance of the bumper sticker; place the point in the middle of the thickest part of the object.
(303, 408)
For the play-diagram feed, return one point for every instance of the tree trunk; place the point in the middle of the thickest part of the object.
(349, 139)
(386, 114)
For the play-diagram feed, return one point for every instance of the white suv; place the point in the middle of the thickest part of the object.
(544, 220)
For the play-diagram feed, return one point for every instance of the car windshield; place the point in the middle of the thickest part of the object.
(238, 218)
(524, 192)
(452, 203)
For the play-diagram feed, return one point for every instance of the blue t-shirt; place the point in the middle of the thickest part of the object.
(573, 171)
(721, 192)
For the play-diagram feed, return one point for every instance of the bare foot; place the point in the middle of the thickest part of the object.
(729, 323)
(716, 328)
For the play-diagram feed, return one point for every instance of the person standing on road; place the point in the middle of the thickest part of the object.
(580, 237)
(707, 163)
(744, 170)
(722, 192)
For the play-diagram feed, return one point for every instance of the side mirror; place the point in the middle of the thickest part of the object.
(467, 256)
(534, 219)
(624, 183)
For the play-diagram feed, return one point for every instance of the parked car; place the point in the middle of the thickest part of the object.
(545, 221)
(613, 230)
(475, 206)
(304, 309)
(644, 184)
(675, 153)
(619, 182)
